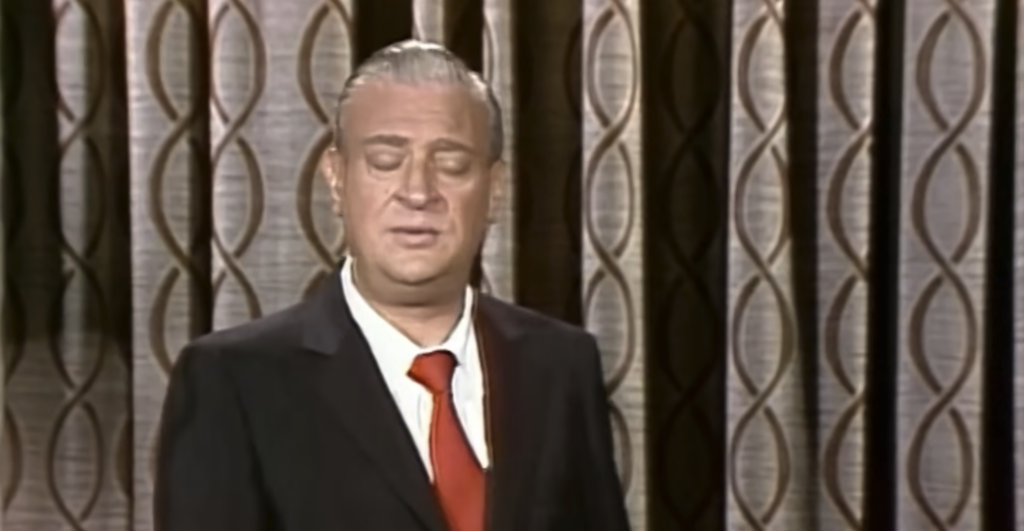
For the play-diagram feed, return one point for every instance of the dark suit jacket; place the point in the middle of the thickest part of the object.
(286, 424)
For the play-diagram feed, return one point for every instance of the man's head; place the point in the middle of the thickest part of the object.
(416, 165)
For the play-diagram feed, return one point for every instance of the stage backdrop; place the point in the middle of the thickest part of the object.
(795, 226)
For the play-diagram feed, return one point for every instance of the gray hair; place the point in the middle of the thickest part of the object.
(413, 62)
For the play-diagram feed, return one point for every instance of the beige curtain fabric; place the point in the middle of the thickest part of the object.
(612, 226)
(941, 311)
(795, 228)
(768, 452)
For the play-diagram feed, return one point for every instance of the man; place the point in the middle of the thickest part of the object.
(396, 398)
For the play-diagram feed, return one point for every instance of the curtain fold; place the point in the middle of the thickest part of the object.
(4, 63)
(498, 62)
(167, 48)
(944, 185)
(796, 230)
(1018, 292)
(66, 344)
(612, 226)
(768, 451)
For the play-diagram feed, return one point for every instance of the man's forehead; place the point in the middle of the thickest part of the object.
(393, 101)
(416, 113)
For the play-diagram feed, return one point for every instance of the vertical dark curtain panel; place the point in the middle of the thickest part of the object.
(795, 226)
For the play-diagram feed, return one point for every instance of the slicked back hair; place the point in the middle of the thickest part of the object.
(413, 63)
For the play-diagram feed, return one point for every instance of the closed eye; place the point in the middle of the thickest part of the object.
(384, 160)
(453, 163)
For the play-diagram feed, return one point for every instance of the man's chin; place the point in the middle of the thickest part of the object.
(413, 274)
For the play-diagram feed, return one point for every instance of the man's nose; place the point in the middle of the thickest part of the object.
(419, 186)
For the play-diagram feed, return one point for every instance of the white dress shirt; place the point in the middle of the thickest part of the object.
(395, 352)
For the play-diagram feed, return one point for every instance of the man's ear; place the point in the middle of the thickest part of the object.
(332, 165)
(497, 176)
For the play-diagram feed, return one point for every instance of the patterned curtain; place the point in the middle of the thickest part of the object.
(795, 227)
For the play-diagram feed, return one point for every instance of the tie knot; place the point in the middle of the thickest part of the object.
(433, 370)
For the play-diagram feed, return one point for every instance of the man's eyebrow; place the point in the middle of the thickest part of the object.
(386, 140)
(448, 144)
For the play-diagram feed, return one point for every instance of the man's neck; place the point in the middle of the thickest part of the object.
(426, 320)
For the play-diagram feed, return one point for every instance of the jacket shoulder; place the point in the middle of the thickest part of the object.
(280, 331)
(535, 323)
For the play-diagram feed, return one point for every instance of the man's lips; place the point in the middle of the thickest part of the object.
(415, 237)
(415, 230)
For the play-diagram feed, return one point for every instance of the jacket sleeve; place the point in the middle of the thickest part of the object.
(206, 476)
(601, 489)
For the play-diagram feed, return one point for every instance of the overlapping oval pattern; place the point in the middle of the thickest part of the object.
(176, 190)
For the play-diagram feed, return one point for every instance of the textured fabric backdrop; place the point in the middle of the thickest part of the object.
(796, 228)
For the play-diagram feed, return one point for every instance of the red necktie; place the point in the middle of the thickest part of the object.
(458, 478)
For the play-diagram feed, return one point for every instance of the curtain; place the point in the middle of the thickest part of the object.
(795, 227)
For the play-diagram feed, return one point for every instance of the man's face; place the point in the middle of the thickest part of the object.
(413, 179)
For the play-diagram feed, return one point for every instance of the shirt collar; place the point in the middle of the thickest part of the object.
(386, 340)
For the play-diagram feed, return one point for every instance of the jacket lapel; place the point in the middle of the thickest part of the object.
(517, 390)
(352, 384)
